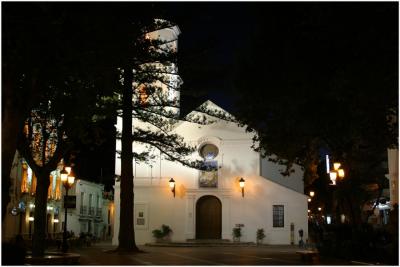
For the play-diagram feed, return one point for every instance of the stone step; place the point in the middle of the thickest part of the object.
(208, 241)
(53, 258)
(201, 244)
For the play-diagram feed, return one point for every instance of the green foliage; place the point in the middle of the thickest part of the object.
(166, 229)
(301, 108)
(260, 234)
(237, 232)
(162, 233)
(339, 103)
(157, 233)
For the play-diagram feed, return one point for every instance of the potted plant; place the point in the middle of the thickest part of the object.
(163, 234)
(260, 236)
(237, 233)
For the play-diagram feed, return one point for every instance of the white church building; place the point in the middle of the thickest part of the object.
(209, 204)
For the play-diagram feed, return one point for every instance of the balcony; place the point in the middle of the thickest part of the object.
(91, 211)
(83, 210)
(98, 212)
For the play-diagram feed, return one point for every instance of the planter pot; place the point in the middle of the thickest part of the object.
(236, 239)
(165, 239)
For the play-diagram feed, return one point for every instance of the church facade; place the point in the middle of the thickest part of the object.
(239, 190)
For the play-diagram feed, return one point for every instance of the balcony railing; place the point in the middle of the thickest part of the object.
(91, 211)
(98, 212)
(83, 210)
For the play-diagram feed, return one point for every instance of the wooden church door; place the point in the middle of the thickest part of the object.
(208, 218)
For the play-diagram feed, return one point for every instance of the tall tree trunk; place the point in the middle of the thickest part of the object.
(16, 102)
(12, 122)
(126, 236)
(38, 242)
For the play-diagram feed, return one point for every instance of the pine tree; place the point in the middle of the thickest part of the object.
(150, 99)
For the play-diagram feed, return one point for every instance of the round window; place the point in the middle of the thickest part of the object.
(208, 151)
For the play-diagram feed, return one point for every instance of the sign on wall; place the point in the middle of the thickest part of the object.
(70, 202)
(141, 216)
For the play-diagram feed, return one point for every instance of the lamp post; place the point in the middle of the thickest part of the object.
(334, 174)
(67, 180)
(241, 183)
(172, 185)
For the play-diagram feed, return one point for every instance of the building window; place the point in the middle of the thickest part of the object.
(209, 151)
(143, 95)
(278, 216)
(82, 197)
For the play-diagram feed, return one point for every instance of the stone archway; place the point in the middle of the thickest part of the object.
(208, 218)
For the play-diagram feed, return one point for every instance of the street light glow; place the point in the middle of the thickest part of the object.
(336, 166)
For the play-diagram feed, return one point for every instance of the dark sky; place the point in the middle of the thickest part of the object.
(303, 39)
(307, 41)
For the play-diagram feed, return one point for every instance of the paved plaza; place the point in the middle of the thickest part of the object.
(99, 254)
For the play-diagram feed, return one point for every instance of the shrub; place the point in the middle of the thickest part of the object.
(157, 233)
(163, 233)
(166, 229)
(260, 235)
(237, 233)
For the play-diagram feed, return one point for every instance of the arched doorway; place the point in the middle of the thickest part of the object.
(208, 218)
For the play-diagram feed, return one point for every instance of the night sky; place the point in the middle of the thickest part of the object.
(308, 40)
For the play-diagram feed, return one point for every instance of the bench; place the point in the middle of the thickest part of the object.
(308, 255)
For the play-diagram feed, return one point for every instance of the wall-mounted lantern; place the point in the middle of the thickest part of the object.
(309, 199)
(312, 193)
(172, 185)
(241, 183)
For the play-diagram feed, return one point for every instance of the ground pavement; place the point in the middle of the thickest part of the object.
(99, 254)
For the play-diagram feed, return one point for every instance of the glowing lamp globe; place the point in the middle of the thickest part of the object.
(336, 166)
(71, 179)
(172, 183)
(241, 182)
(64, 176)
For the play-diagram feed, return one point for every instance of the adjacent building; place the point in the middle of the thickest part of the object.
(93, 212)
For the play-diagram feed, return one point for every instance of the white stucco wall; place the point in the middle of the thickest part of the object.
(236, 159)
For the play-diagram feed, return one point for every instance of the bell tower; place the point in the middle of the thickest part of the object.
(169, 81)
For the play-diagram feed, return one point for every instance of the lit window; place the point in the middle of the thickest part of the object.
(208, 151)
(209, 170)
(143, 96)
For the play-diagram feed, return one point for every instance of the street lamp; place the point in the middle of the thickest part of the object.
(241, 184)
(312, 193)
(172, 185)
(333, 176)
(67, 179)
(336, 172)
